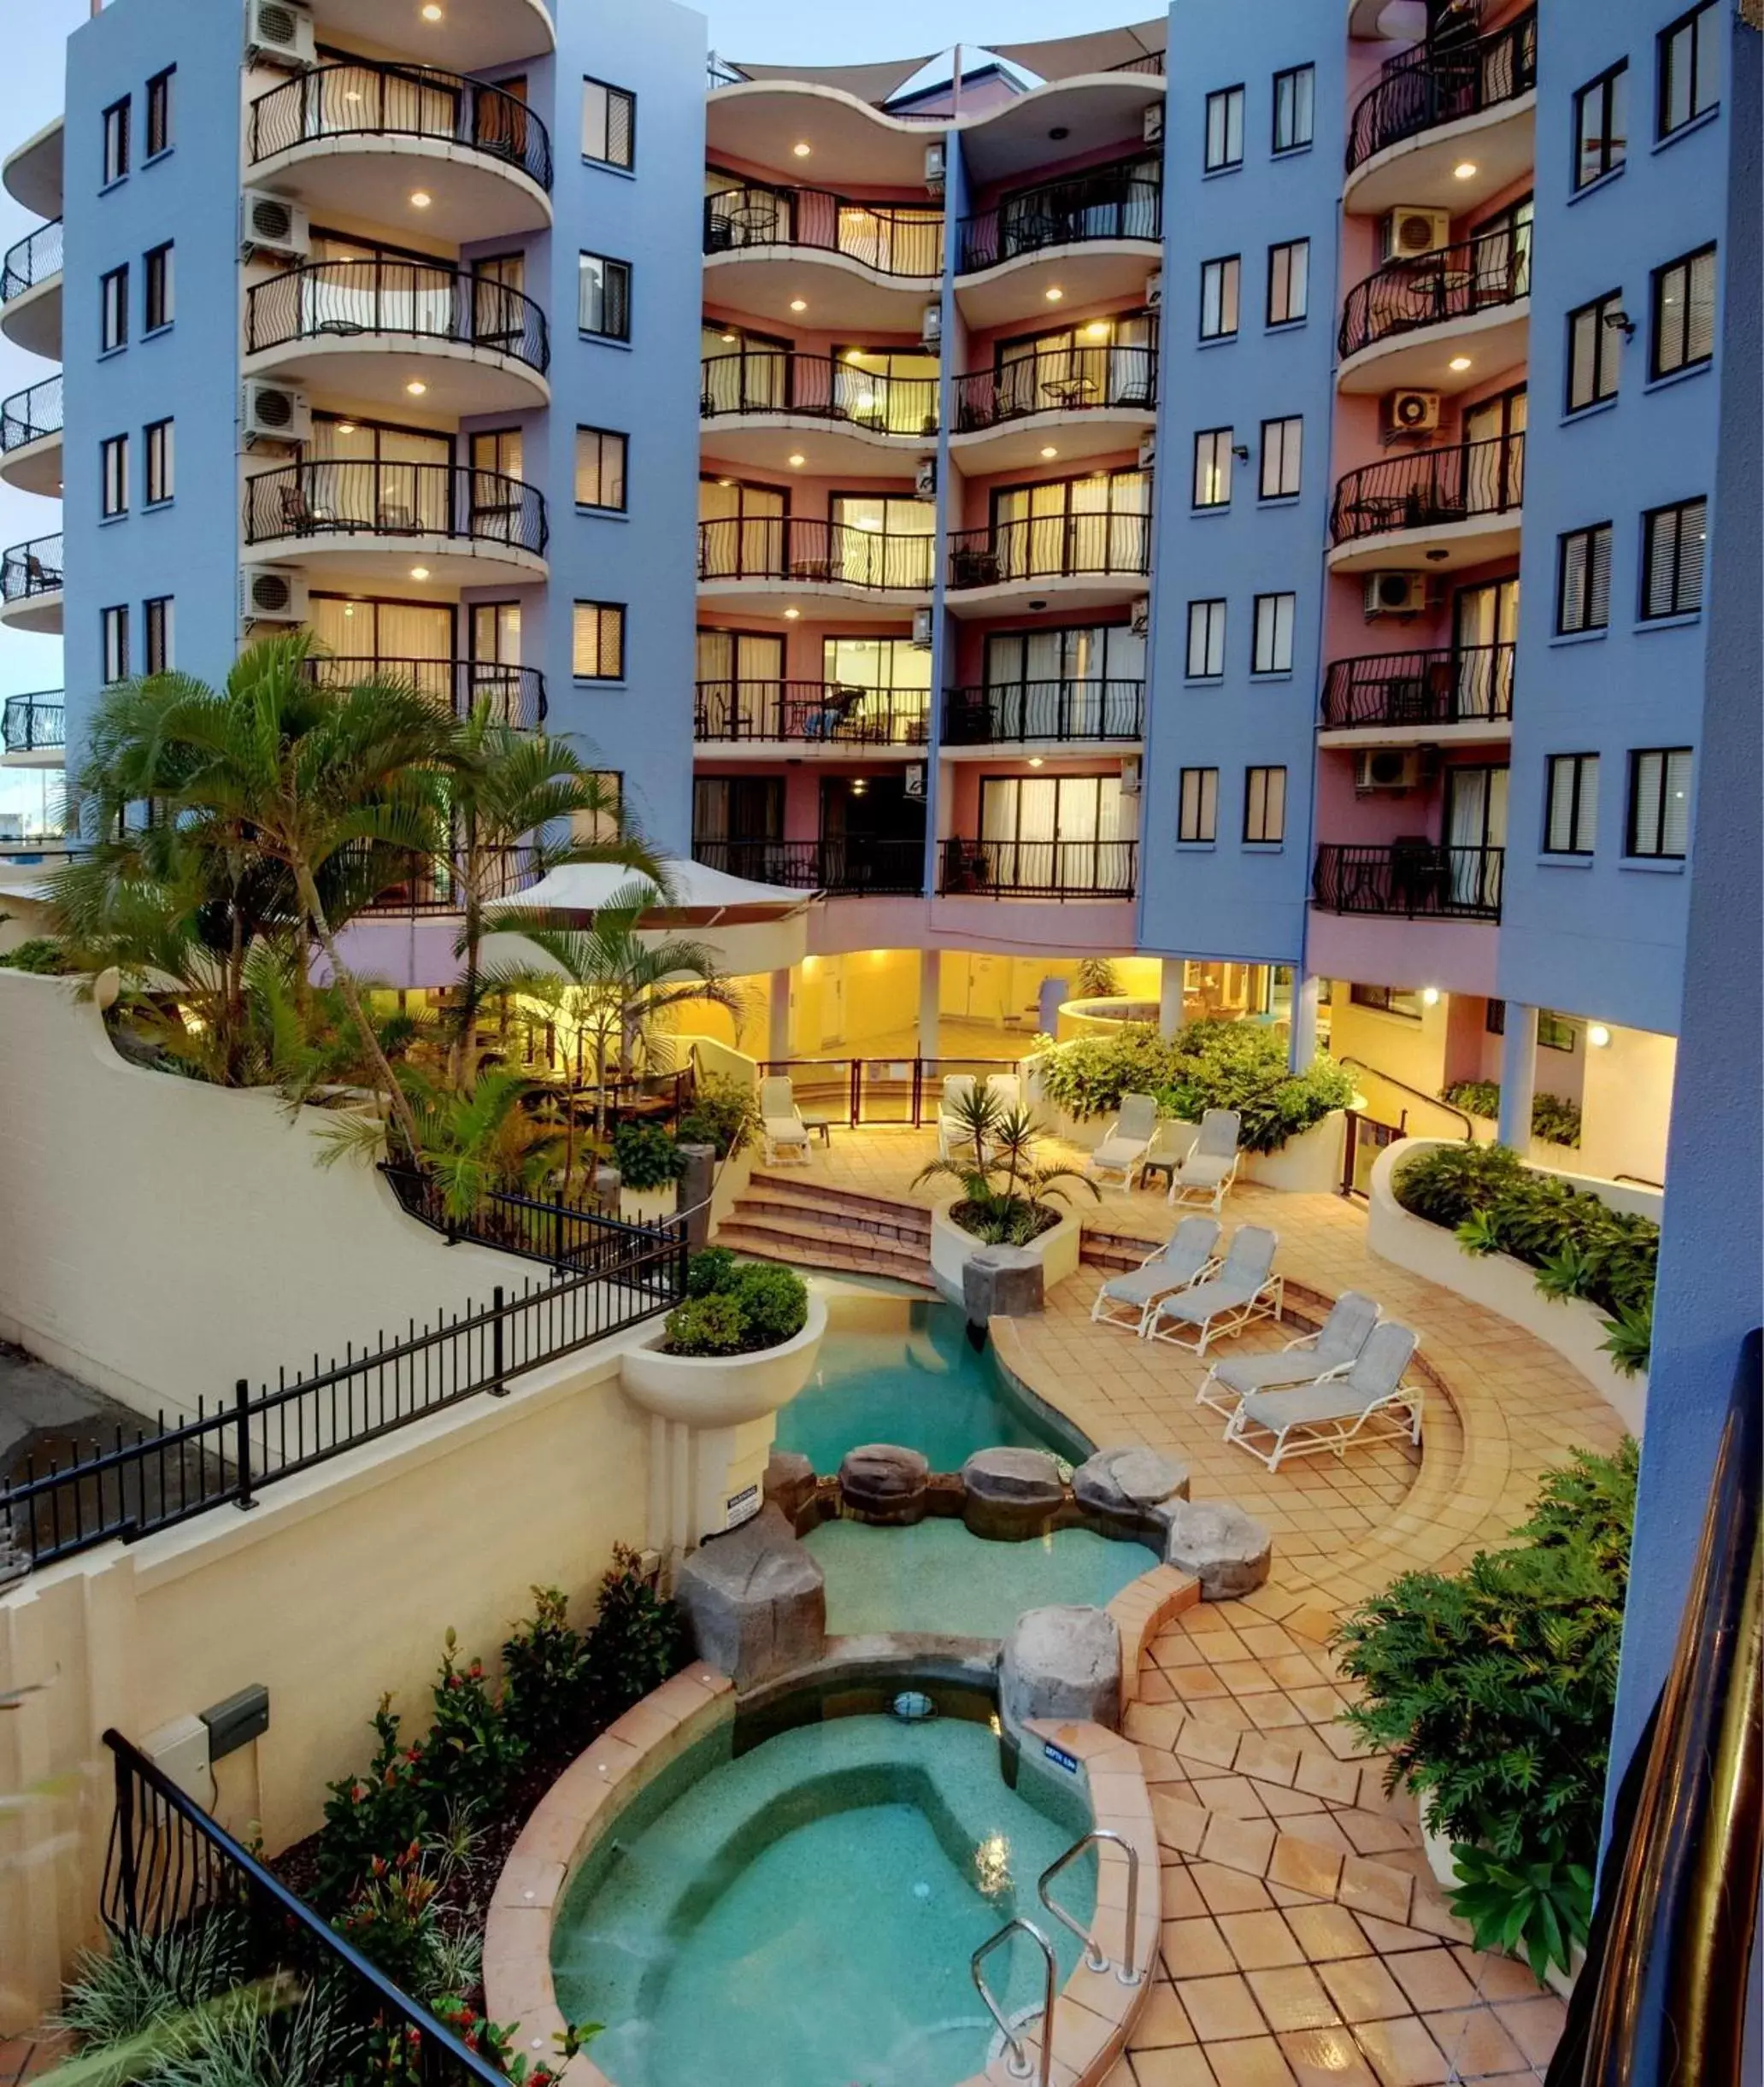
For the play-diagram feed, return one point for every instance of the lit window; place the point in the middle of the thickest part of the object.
(1289, 267)
(1219, 297)
(1282, 443)
(600, 468)
(599, 642)
(1660, 802)
(1197, 815)
(1212, 468)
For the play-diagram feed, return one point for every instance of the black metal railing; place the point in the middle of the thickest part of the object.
(1430, 85)
(791, 547)
(1107, 203)
(884, 866)
(573, 1238)
(1424, 489)
(435, 884)
(1151, 62)
(859, 1090)
(1058, 381)
(818, 712)
(1070, 707)
(1040, 869)
(1410, 879)
(28, 416)
(890, 238)
(817, 388)
(170, 1869)
(415, 300)
(35, 724)
(1474, 275)
(344, 498)
(30, 569)
(32, 261)
(1454, 685)
(361, 99)
(1051, 547)
(515, 694)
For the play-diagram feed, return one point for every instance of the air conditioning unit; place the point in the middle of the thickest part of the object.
(921, 630)
(1411, 413)
(934, 167)
(275, 413)
(1152, 125)
(1130, 775)
(281, 33)
(270, 224)
(913, 783)
(1406, 233)
(1389, 767)
(272, 594)
(1155, 289)
(925, 479)
(1396, 594)
(931, 326)
(1148, 452)
(1139, 623)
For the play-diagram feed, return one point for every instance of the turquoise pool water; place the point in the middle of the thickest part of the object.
(935, 1577)
(804, 1916)
(891, 1370)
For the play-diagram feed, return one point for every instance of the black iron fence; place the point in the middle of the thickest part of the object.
(31, 261)
(515, 694)
(366, 498)
(573, 1238)
(28, 416)
(816, 713)
(437, 884)
(1454, 685)
(1109, 203)
(417, 300)
(1423, 489)
(1454, 282)
(1410, 879)
(1051, 547)
(1058, 381)
(818, 387)
(862, 1091)
(854, 867)
(34, 724)
(361, 99)
(891, 239)
(1073, 708)
(1436, 83)
(29, 569)
(1040, 869)
(798, 548)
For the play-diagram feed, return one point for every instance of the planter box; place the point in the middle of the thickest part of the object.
(1056, 1250)
(1437, 1849)
(1308, 1165)
(648, 1206)
(723, 1390)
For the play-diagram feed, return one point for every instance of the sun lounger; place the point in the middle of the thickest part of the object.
(1206, 1174)
(1128, 1140)
(1183, 1258)
(781, 1127)
(1333, 1348)
(1245, 1289)
(1330, 1413)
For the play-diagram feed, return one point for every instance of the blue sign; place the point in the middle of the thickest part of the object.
(1060, 1757)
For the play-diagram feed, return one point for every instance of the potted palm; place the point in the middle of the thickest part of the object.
(1006, 1197)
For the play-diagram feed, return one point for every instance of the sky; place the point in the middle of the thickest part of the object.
(761, 31)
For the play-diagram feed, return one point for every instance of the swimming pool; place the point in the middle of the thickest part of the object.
(804, 1915)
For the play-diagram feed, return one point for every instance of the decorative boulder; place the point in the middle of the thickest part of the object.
(1226, 1549)
(1061, 1663)
(1011, 1494)
(1000, 1278)
(881, 1481)
(755, 1600)
(790, 1482)
(1129, 1483)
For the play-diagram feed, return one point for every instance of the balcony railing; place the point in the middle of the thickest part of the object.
(1410, 879)
(789, 547)
(431, 883)
(1106, 205)
(816, 713)
(816, 387)
(1051, 547)
(515, 694)
(338, 300)
(891, 239)
(343, 499)
(1475, 275)
(33, 260)
(1459, 685)
(28, 416)
(1058, 381)
(34, 724)
(1040, 869)
(1424, 489)
(1427, 86)
(1015, 712)
(360, 99)
(30, 569)
(1151, 62)
(882, 868)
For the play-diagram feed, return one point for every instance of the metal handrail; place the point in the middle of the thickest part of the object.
(818, 712)
(1420, 1095)
(799, 548)
(1433, 84)
(33, 568)
(890, 238)
(1448, 684)
(1059, 708)
(362, 98)
(1108, 202)
(1051, 547)
(327, 300)
(436, 884)
(1018, 2064)
(820, 387)
(1095, 1959)
(29, 415)
(516, 695)
(1118, 378)
(889, 867)
(1453, 282)
(31, 261)
(36, 723)
(1408, 881)
(1426, 489)
(347, 497)
(1038, 869)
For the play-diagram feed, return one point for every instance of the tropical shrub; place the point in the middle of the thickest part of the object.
(637, 1640)
(646, 1157)
(473, 1749)
(724, 1114)
(42, 956)
(1552, 1119)
(1088, 1076)
(1005, 1192)
(1098, 979)
(545, 1671)
(733, 1307)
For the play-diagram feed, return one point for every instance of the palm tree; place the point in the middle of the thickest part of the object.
(1001, 1181)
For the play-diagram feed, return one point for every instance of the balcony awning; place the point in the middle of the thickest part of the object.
(752, 927)
(1096, 50)
(867, 83)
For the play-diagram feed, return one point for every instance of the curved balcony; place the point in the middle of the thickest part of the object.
(31, 291)
(31, 585)
(747, 122)
(817, 716)
(1075, 711)
(1408, 324)
(432, 522)
(1444, 507)
(1083, 561)
(1435, 109)
(370, 328)
(1409, 880)
(515, 694)
(366, 138)
(1038, 869)
(802, 256)
(772, 562)
(857, 867)
(1085, 401)
(1093, 238)
(31, 174)
(31, 438)
(769, 404)
(33, 730)
(468, 35)
(1452, 692)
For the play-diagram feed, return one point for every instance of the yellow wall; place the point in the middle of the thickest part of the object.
(1626, 1105)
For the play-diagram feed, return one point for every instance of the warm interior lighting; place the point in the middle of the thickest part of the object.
(801, 150)
(416, 387)
(866, 401)
(1459, 362)
(860, 788)
(1097, 329)
(727, 337)
(799, 304)
(1429, 996)
(1035, 761)
(418, 572)
(432, 13)
(1597, 1035)
(420, 199)
(797, 460)
(1055, 293)
(345, 427)
(868, 522)
(791, 614)
(1049, 451)
(1464, 171)
(726, 483)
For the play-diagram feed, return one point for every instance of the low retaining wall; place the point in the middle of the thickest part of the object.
(1057, 1251)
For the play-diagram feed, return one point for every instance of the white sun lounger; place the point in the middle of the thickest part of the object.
(1329, 1413)
(1206, 1173)
(1128, 1139)
(1185, 1259)
(1244, 1289)
(953, 1127)
(781, 1127)
(1332, 1349)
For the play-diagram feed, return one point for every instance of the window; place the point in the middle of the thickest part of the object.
(1673, 541)
(1601, 126)
(609, 124)
(114, 627)
(1388, 1000)
(116, 141)
(604, 302)
(1660, 802)
(1595, 344)
(156, 619)
(1289, 267)
(1282, 442)
(160, 298)
(1218, 298)
(1683, 313)
(1212, 468)
(1582, 581)
(114, 459)
(158, 112)
(1197, 817)
(1264, 805)
(161, 474)
(600, 468)
(1206, 640)
(1225, 129)
(1571, 804)
(599, 653)
(1295, 101)
(596, 827)
(1554, 1031)
(1271, 652)
(112, 310)
(1690, 68)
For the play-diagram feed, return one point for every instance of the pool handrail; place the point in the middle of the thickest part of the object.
(1018, 2063)
(1096, 1958)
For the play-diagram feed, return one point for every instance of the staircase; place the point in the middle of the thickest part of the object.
(1115, 1251)
(804, 1223)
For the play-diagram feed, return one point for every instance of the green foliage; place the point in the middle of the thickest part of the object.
(1003, 1201)
(391, 1918)
(472, 1750)
(724, 1114)
(646, 1157)
(713, 1325)
(545, 1673)
(1098, 979)
(637, 1640)
(734, 1308)
(373, 1816)
(144, 1982)
(312, 2044)
(42, 956)
(1087, 1076)
(1538, 1907)
(773, 1301)
(1552, 1118)
(710, 1271)
(1629, 1337)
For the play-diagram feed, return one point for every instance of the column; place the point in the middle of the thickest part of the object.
(777, 1017)
(1301, 1044)
(930, 986)
(1519, 1076)
(1169, 1009)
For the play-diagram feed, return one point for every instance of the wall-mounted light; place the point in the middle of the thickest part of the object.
(802, 149)
(1035, 761)
(418, 572)
(420, 199)
(797, 460)
(1241, 451)
(799, 304)
(791, 614)
(1049, 451)
(1429, 996)
(416, 387)
(1620, 322)
(1053, 293)
(1464, 171)
(1458, 363)
(1598, 1036)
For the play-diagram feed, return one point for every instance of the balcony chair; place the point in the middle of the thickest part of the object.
(1185, 1258)
(1244, 1289)
(1331, 1351)
(975, 569)
(1127, 1141)
(1206, 1172)
(1007, 1088)
(781, 1127)
(1330, 1412)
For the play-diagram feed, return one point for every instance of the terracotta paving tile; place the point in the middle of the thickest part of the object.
(1220, 2008)
(1239, 1844)
(1536, 2025)
(1253, 2062)
(1194, 1950)
(1475, 2043)
(1432, 1979)
(1180, 1894)
(1259, 1940)
(1230, 1891)
(1163, 2020)
(1292, 1997)
(1301, 1863)
(1401, 2053)
(1363, 1990)
(1326, 2058)
(1171, 2068)
(1498, 1978)
(1370, 1887)
(1327, 1933)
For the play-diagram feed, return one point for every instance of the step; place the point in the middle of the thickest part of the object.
(827, 1193)
(842, 1253)
(1113, 1250)
(911, 1226)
